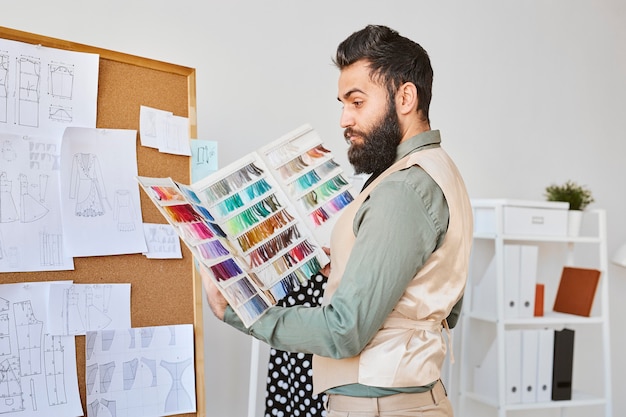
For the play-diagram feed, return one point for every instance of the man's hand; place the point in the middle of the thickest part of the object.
(326, 269)
(216, 300)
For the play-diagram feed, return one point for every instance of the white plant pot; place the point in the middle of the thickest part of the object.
(574, 219)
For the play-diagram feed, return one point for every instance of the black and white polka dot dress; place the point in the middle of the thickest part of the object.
(289, 389)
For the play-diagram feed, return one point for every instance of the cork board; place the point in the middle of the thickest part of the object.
(163, 292)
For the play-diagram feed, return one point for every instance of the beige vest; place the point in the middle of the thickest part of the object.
(410, 348)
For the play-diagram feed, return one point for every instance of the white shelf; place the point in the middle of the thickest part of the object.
(579, 399)
(549, 319)
(539, 238)
(485, 325)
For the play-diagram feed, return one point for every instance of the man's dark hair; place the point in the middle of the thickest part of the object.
(393, 60)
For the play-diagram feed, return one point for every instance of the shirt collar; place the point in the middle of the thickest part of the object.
(421, 140)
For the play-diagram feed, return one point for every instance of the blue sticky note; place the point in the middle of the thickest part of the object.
(203, 158)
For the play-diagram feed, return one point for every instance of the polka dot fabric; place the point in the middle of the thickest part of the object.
(289, 389)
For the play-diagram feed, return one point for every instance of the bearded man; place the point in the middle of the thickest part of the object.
(399, 253)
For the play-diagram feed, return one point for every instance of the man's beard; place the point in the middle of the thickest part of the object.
(378, 150)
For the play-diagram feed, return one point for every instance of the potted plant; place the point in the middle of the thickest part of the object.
(578, 197)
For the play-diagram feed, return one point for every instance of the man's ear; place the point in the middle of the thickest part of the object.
(406, 98)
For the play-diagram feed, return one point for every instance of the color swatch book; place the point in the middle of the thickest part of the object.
(258, 224)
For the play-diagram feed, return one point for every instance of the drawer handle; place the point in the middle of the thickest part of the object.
(537, 220)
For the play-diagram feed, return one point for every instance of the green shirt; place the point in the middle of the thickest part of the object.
(397, 228)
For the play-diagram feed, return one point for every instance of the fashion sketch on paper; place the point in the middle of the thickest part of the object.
(87, 186)
(31, 199)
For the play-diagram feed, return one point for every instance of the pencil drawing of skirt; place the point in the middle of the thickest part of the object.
(87, 186)
(90, 205)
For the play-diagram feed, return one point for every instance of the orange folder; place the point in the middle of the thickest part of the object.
(576, 291)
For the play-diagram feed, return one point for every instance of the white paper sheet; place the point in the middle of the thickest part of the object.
(163, 241)
(163, 130)
(31, 231)
(47, 89)
(99, 192)
(140, 372)
(149, 125)
(37, 371)
(76, 308)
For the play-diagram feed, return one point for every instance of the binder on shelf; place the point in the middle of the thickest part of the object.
(530, 353)
(545, 358)
(563, 361)
(484, 292)
(576, 291)
(511, 261)
(540, 290)
(513, 363)
(485, 384)
(520, 277)
(527, 280)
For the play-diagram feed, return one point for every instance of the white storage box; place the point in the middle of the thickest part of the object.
(520, 217)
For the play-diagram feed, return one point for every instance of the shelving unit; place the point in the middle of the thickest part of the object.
(485, 320)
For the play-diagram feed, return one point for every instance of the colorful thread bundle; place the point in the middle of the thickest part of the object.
(292, 168)
(323, 213)
(182, 213)
(253, 308)
(323, 192)
(299, 252)
(339, 202)
(294, 148)
(318, 152)
(272, 247)
(285, 263)
(304, 182)
(287, 284)
(252, 215)
(264, 230)
(229, 204)
(201, 231)
(284, 153)
(240, 291)
(240, 199)
(226, 270)
(311, 267)
(204, 212)
(191, 195)
(166, 193)
(326, 168)
(256, 190)
(211, 249)
(231, 183)
(302, 162)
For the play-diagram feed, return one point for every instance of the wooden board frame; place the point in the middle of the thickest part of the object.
(163, 292)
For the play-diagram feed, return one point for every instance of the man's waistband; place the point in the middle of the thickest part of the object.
(388, 403)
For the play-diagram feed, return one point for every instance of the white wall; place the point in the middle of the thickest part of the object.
(526, 93)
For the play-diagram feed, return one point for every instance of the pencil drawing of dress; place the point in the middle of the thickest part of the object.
(87, 186)
(124, 212)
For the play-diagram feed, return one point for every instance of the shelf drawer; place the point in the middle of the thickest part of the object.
(520, 217)
(534, 221)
